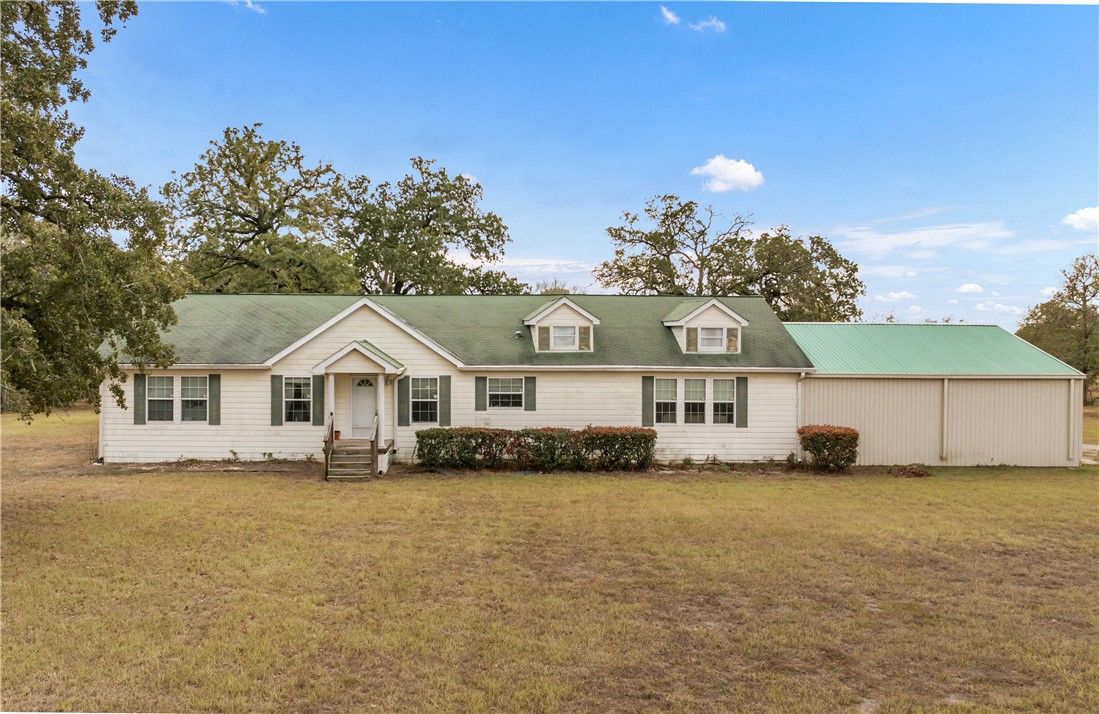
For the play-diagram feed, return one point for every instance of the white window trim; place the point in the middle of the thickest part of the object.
(703, 401)
(308, 401)
(489, 392)
(412, 401)
(714, 402)
(148, 399)
(723, 348)
(206, 400)
(574, 346)
(657, 401)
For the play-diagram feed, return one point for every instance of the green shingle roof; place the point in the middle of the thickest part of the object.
(247, 329)
(478, 330)
(986, 350)
(380, 354)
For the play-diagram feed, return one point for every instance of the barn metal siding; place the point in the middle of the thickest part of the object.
(1023, 422)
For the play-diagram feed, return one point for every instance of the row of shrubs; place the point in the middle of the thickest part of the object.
(599, 448)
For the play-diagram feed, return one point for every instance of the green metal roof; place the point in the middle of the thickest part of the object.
(247, 329)
(926, 349)
(380, 354)
(480, 330)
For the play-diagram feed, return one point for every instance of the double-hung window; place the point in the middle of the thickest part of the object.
(193, 398)
(564, 337)
(160, 399)
(711, 339)
(505, 392)
(425, 399)
(666, 396)
(297, 399)
(694, 401)
(724, 401)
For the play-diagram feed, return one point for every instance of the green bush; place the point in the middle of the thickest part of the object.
(547, 449)
(831, 447)
(462, 447)
(618, 448)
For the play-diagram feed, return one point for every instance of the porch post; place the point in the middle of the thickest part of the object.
(381, 409)
(330, 395)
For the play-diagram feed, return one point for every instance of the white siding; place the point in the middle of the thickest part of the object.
(569, 399)
(245, 425)
(1023, 422)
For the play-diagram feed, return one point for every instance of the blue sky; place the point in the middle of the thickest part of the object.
(950, 150)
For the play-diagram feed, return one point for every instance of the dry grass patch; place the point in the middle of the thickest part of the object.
(974, 589)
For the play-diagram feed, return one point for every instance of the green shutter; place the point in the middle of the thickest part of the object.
(276, 400)
(480, 394)
(530, 398)
(692, 339)
(444, 400)
(543, 339)
(647, 406)
(139, 399)
(585, 338)
(404, 401)
(741, 402)
(213, 397)
(318, 400)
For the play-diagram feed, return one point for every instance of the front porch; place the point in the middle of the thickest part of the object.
(359, 384)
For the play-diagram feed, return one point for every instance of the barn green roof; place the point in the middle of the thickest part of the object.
(925, 349)
(479, 330)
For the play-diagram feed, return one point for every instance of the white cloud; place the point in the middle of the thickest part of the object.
(970, 289)
(1040, 245)
(1086, 219)
(712, 24)
(471, 178)
(728, 175)
(670, 18)
(952, 301)
(888, 271)
(973, 236)
(916, 309)
(249, 5)
(990, 306)
(994, 294)
(896, 295)
(1049, 292)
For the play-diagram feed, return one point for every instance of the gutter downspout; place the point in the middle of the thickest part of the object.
(946, 402)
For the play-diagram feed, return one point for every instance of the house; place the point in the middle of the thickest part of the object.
(277, 376)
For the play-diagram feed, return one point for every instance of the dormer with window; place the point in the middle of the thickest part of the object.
(706, 326)
(562, 326)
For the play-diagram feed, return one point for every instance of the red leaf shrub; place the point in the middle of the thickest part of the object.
(831, 447)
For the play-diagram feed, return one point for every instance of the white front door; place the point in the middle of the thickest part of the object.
(364, 402)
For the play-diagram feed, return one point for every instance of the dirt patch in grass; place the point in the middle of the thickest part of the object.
(192, 589)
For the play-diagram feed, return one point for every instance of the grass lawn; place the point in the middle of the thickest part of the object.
(157, 590)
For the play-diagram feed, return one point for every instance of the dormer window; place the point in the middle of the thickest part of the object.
(564, 337)
(562, 326)
(711, 339)
(706, 325)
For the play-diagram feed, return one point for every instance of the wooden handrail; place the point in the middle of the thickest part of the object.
(329, 434)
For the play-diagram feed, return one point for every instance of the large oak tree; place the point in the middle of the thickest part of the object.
(253, 216)
(1067, 325)
(73, 299)
(676, 247)
(426, 234)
